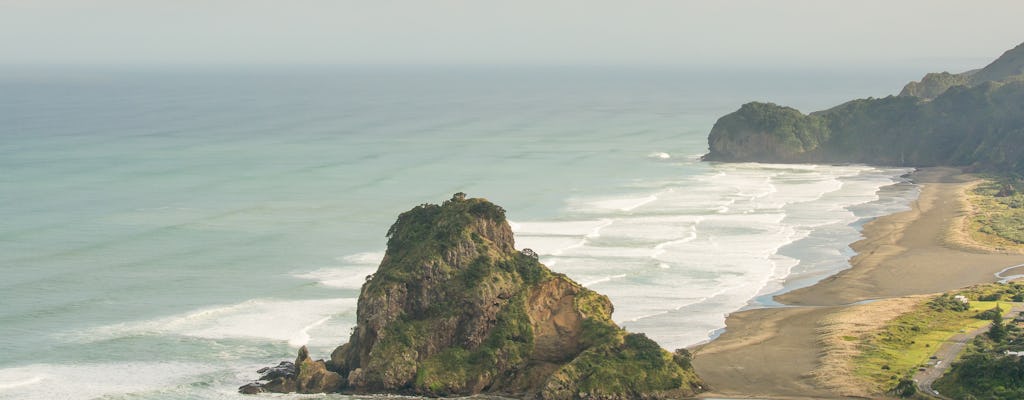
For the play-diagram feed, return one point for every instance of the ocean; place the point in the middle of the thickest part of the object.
(166, 232)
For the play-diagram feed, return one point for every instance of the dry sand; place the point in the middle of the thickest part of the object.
(780, 353)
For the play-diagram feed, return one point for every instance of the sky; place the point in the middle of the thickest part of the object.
(516, 32)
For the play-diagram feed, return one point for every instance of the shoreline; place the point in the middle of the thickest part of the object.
(777, 352)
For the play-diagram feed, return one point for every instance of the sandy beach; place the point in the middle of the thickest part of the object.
(779, 353)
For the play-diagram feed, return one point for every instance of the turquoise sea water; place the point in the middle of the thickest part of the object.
(166, 233)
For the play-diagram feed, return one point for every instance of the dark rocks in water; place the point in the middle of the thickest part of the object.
(455, 310)
(302, 376)
(286, 370)
(251, 388)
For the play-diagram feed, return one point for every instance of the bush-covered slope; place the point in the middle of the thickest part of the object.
(971, 123)
(981, 126)
(1008, 67)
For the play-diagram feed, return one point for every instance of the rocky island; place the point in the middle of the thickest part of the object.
(973, 119)
(454, 309)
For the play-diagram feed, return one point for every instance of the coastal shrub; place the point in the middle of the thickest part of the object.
(635, 367)
(984, 376)
(645, 349)
(948, 302)
(593, 304)
(906, 388)
(529, 269)
(683, 358)
(985, 371)
(990, 313)
(997, 332)
(477, 270)
(596, 331)
(991, 297)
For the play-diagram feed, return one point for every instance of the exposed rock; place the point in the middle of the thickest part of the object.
(286, 370)
(454, 309)
(302, 376)
(251, 388)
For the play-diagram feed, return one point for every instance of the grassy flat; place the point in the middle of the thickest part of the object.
(907, 342)
(996, 221)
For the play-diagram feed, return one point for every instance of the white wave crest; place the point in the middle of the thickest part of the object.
(90, 381)
(706, 245)
(340, 277)
(285, 321)
(370, 257)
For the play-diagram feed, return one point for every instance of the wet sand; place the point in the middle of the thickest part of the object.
(777, 353)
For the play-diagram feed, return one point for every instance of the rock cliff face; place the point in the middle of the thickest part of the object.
(454, 309)
(957, 120)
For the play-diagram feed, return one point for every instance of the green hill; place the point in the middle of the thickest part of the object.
(969, 122)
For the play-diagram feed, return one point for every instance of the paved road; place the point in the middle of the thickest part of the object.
(948, 352)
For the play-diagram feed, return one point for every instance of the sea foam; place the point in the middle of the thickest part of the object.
(90, 381)
(293, 322)
(677, 260)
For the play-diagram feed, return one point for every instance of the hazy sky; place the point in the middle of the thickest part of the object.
(544, 32)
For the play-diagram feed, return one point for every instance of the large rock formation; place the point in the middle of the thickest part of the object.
(959, 120)
(454, 309)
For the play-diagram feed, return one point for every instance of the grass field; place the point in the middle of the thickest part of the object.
(997, 219)
(907, 342)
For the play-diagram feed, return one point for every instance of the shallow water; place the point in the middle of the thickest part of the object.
(167, 233)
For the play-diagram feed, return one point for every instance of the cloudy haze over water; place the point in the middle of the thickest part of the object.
(530, 32)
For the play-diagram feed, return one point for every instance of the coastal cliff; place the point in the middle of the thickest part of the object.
(974, 119)
(454, 309)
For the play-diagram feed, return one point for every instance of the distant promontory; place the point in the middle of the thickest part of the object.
(974, 119)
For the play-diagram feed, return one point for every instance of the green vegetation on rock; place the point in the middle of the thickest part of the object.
(455, 310)
(770, 132)
(629, 366)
